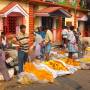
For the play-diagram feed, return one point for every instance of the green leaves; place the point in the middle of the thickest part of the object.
(62, 2)
(73, 3)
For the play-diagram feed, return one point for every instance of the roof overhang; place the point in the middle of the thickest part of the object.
(53, 11)
(83, 18)
(68, 7)
(13, 7)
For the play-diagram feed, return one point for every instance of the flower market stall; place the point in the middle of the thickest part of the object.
(47, 71)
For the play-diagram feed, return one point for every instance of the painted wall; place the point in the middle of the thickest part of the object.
(82, 28)
(78, 14)
(80, 25)
(38, 21)
(3, 4)
(71, 19)
(1, 24)
(26, 8)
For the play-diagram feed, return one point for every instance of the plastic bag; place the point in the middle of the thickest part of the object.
(11, 74)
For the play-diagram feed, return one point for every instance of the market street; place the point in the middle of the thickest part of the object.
(78, 81)
(44, 45)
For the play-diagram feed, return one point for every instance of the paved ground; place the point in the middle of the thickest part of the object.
(78, 81)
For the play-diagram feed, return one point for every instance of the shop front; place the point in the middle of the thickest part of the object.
(49, 17)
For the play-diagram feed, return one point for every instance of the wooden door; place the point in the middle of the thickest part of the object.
(12, 24)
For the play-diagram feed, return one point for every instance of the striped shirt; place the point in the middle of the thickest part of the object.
(23, 39)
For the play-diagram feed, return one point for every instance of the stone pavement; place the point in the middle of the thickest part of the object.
(78, 81)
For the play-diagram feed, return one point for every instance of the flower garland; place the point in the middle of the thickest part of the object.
(71, 62)
(40, 74)
(56, 65)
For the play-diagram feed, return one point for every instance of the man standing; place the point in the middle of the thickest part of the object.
(23, 40)
(48, 41)
(64, 36)
(72, 46)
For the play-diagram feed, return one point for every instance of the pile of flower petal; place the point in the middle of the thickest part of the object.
(47, 71)
(56, 65)
(71, 62)
(85, 60)
(88, 49)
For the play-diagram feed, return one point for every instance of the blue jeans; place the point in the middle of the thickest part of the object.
(42, 52)
(48, 48)
(22, 58)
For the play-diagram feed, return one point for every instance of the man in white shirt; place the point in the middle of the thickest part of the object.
(48, 41)
(64, 36)
(38, 38)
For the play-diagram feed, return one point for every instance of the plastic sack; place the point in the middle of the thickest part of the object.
(29, 78)
(11, 74)
(40, 73)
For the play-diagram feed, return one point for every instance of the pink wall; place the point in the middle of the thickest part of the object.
(1, 24)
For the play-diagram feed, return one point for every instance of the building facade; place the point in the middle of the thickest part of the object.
(35, 13)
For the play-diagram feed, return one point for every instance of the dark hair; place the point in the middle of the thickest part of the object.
(0, 47)
(72, 28)
(2, 33)
(64, 27)
(39, 28)
(22, 27)
(46, 28)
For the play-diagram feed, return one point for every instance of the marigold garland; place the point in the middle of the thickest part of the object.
(56, 65)
(71, 62)
(40, 74)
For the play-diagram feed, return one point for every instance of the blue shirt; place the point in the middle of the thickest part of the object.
(42, 33)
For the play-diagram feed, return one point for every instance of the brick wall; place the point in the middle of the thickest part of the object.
(31, 24)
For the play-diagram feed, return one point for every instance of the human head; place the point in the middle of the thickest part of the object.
(65, 27)
(72, 28)
(47, 28)
(68, 28)
(40, 29)
(2, 34)
(22, 28)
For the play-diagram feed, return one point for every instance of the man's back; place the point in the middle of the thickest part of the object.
(49, 36)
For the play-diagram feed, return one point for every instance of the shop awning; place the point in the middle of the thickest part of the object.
(53, 11)
(83, 18)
